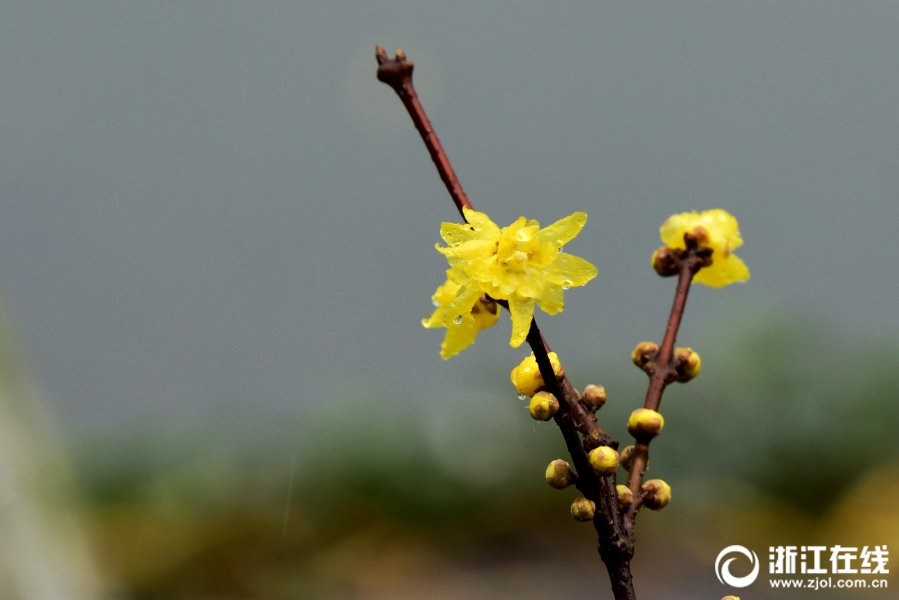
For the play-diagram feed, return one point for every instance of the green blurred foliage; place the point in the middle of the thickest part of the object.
(783, 405)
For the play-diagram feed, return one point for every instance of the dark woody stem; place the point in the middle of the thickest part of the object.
(397, 73)
(661, 372)
(615, 546)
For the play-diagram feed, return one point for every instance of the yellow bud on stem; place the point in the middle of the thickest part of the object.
(526, 376)
(645, 423)
(643, 353)
(559, 475)
(603, 460)
(625, 496)
(664, 261)
(687, 364)
(543, 406)
(583, 509)
(625, 458)
(594, 397)
(656, 494)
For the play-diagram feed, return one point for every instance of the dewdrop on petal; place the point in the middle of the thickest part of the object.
(656, 494)
(543, 406)
(625, 496)
(526, 376)
(603, 460)
(687, 364)
(559, 475)
(645, 423)
(583, 509)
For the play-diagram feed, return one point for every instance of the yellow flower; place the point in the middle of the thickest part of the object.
(460, 329)
(521, 263)
(716, 229)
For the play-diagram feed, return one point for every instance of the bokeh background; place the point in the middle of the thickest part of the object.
(215, 250)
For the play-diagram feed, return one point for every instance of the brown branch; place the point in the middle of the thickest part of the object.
(662, 371)
(615, 546)
(397, 73)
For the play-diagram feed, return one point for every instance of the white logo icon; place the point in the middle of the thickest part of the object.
(723, 570)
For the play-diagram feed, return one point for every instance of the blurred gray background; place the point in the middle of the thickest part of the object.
(214, 216)
(215, 205)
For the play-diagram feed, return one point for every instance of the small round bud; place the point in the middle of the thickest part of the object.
(656, 494)
(687, 364)
(643, 353)
(731, 598)
(625, 458)
(543, 406)
(625, 496)
(645, 423)
(664, 261)
(594, 397)
(603, 460)
(583, 509)
(559, 475)
(526, 376)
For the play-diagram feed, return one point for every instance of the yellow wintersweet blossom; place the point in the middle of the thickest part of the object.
(460, 329)
(521, 264)
(716, 229)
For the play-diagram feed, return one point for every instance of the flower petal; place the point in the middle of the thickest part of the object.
(570, 271)
(522, 312)
(553, 300)
(461, 305)
(481, 223)
(563, 231)
(723, 272)
(458, 337)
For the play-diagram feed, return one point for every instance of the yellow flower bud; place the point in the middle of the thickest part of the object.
(594, 397)
(625, 496)
(643, 353)
(687, 364)
(583, 509)
(656, 494)
(603, 460)
(645, 423)
(559, 475)
(543, 406)
(526, 376)
(664, 261)
(731, 598)
(625, 458)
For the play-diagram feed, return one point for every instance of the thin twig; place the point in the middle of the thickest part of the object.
(661, 372)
